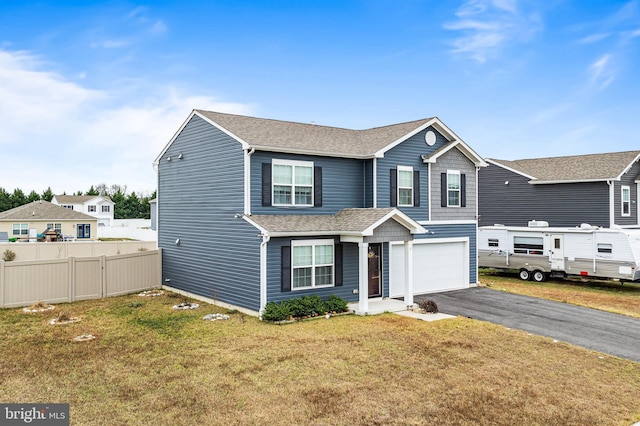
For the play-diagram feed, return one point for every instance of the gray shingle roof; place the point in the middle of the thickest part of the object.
(42, 210)
(592, 167)
(78, 199)
(353, 221)
(274, 135)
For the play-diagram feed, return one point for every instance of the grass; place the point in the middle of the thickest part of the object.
(609, 295)
(153, 365)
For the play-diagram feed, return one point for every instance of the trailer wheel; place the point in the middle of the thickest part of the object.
(539, 276)
(524, 275)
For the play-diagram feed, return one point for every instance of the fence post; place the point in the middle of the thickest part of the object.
(72, 279)
(2, 271)
(103, 275)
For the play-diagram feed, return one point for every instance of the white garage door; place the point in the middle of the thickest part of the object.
(438, 265)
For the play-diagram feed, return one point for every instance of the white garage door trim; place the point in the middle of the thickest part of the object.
(460, 279)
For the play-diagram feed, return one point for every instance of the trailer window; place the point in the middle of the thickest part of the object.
(528, 245)
(493, 242)
(605, 248)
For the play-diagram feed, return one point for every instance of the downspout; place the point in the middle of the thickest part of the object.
(263, 271)
(247, 180)
(612, 216)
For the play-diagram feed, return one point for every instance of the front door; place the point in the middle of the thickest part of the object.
(557, 253)
(375, 270)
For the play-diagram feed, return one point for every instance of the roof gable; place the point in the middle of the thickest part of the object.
(312, 139)
(81, 199)
(578, 168)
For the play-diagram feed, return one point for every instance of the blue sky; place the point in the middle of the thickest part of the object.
(90, 92)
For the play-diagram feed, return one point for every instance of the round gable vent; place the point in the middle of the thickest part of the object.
(430, 138)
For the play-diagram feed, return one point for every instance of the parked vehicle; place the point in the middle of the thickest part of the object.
(539, 251)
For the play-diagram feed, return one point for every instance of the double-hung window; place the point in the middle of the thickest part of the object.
(20, 229)
(292, 183)
(106, 208)
(626, 201)
(405, 186)
(312, 264)
(55, 226)
(92, 208)
(453, 188)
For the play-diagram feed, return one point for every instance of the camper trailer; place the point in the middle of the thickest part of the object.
(539, 251)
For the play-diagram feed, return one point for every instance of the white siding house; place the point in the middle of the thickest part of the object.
(98, 206)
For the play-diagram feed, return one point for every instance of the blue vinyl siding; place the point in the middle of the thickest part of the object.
(367, 179)
(408, 153)
(349, 276)
(342, 184)
(457, 230)
(518, 202)
(198, 197)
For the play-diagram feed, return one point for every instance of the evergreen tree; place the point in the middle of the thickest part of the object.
(92, 191)
(120, 200)
(33, 196)
(5, 200)
(18, 198)
(47, 195)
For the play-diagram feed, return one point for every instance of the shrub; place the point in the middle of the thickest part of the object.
(274, 311)
(8, 255)
(428, 306)
(336, 304)
(301, 307)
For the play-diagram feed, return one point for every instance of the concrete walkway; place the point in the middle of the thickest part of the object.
(601, 331)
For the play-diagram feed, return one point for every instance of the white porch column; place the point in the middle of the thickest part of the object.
(408, 273)
(363, 287)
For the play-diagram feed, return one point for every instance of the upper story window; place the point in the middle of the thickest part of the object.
(405, 186)
(292, 183)
(453, 192)
(20, 229)
(626, 201)
(494, 242)
(453, 188)
(92, 208)
(68, 206)
(106, 208)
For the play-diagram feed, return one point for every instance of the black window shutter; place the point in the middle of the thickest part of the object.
(338, 264)
(443, 190)
(286, 268)
(463, 190)
(393, 187)
(416, 188)
(266, 184)
(317, 186)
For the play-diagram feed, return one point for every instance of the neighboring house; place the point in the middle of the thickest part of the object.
(598, 189)
(254, 210)
(29, 220)
(98, 206)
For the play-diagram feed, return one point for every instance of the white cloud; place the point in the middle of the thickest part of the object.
(594, 38)
(487, 25)
(57, 133)
(601, 73)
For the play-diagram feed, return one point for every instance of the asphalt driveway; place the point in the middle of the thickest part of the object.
(605, 332)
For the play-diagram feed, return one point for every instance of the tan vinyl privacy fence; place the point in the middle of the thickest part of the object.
(62, 250)
(70, 279)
